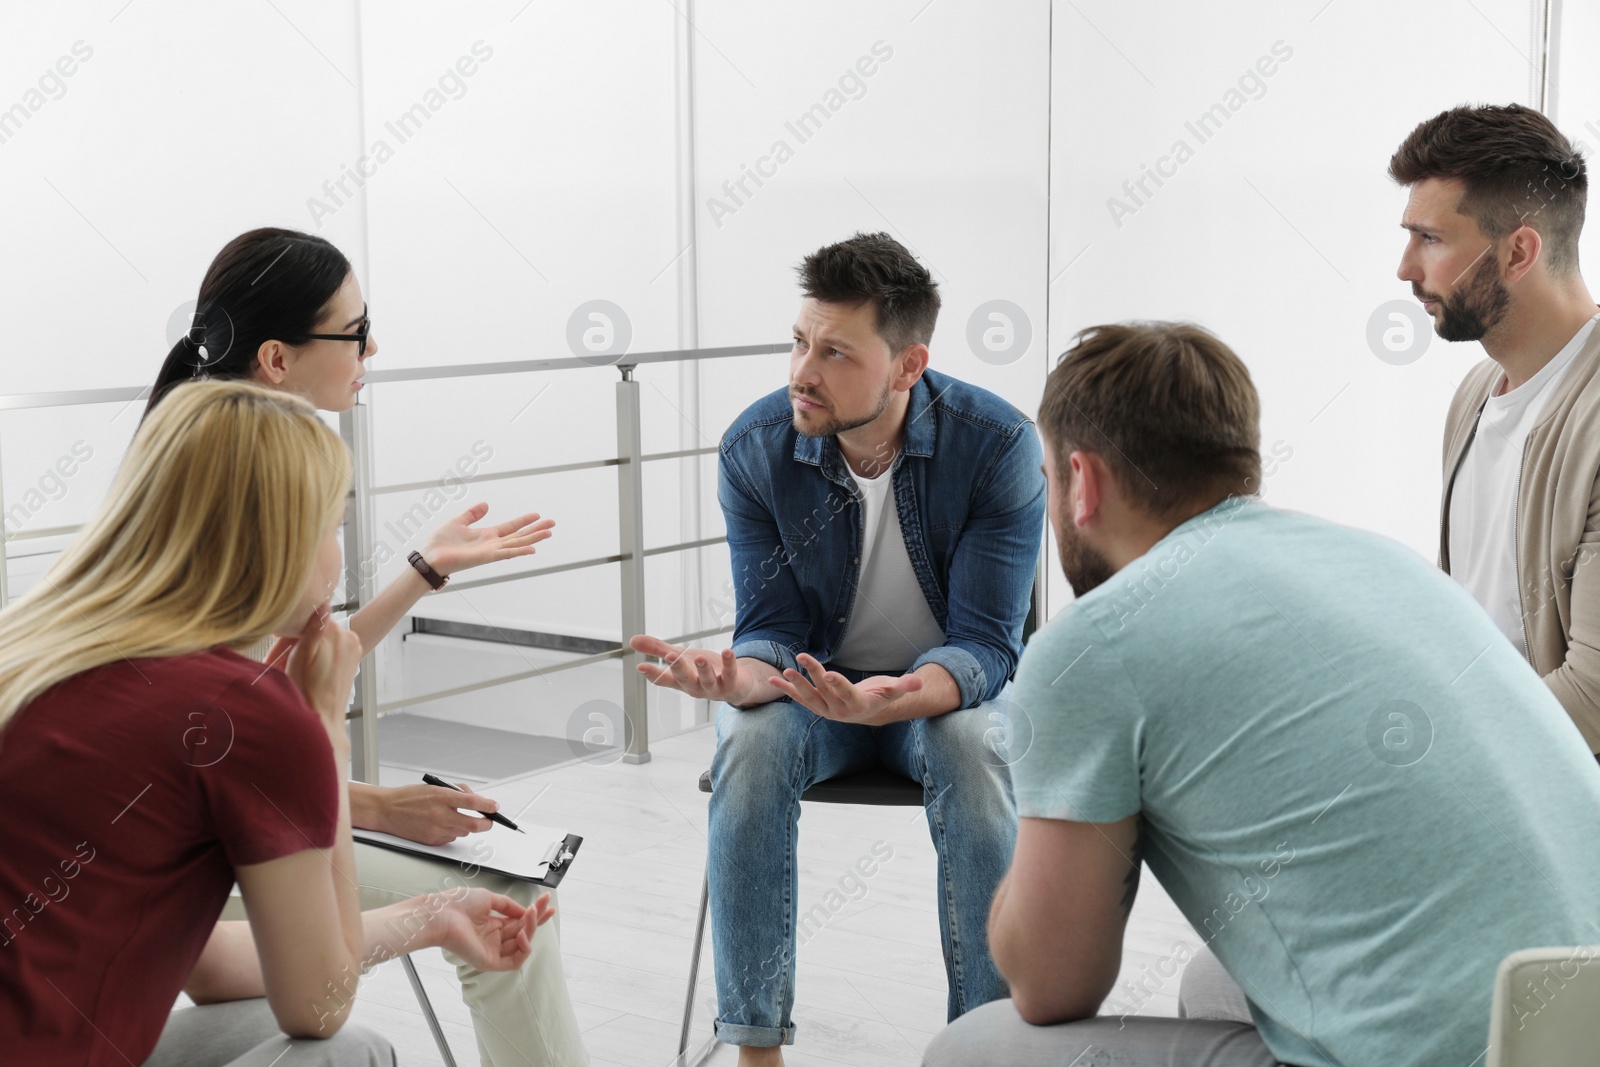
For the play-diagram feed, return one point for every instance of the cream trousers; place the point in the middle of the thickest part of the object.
(523, 1018)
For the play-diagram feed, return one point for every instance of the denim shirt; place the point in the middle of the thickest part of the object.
(970, 498)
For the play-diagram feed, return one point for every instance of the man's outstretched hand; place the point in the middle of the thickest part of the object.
(699, 672)
(869, 702)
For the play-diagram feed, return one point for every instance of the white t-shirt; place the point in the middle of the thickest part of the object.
(1483, 543)
(890, 624)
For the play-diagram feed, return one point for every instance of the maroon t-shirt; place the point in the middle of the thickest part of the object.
(128, 794)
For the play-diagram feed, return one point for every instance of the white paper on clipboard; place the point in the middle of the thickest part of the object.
(534, 855)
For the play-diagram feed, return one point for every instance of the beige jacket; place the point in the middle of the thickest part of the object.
(1557, 527)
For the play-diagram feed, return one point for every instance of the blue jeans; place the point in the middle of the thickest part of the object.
(767, 756)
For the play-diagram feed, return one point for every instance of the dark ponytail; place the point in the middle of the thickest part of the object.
(265, 285)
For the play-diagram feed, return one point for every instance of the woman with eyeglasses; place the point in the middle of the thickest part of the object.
(146, 767)
(283, 309)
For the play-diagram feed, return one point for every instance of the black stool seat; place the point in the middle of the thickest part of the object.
(878, 786)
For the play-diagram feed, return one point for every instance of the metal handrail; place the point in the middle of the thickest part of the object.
(433, 483)
(628, 361)
(49, 531)
(74, 397)
(539, 672)
(355, 427)
(558, 468)
(583, 564)
(127, 393)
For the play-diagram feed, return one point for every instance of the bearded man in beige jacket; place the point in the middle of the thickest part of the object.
(1496, 206)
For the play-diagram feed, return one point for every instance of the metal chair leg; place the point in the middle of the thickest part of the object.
(427, 1011)
(694, 975)
(694, 960)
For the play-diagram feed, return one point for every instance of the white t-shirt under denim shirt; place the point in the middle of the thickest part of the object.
(890, 624)
(1483, 502)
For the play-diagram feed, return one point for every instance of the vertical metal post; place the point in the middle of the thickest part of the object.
(1544, 15)
(1041, 584)
(355, 426)
(5, 597)
(1041, 579)
(693, 585)
(630, 538)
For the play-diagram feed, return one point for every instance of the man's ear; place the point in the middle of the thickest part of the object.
(912, 361)
(1088, 486)
(1526, 245)
(272, 362)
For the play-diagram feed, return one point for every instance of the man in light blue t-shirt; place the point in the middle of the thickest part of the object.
(1352, 785)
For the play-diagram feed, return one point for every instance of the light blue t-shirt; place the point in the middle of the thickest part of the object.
(1352, 785)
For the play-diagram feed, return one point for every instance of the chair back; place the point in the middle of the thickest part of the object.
(1546, 1009)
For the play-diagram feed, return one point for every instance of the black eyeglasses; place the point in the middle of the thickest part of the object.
(360, 336)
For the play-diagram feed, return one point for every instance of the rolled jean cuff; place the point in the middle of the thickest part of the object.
(755, 1036)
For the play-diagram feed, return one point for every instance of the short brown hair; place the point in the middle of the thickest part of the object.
(1518, 169)
(1167, 405)
(875, 267)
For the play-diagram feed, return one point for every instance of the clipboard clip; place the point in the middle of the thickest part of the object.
(558, 855)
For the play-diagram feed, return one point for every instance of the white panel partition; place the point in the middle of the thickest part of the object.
(1230, 170)
(521, 181)
(529, 173)
(1575, 98)
(927, 121)
(135, 140)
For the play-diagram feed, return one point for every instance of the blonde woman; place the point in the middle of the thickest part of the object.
(283, 309)
(146, 766)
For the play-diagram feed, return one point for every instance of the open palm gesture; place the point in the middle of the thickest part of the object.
(830, 694)
(458, 545)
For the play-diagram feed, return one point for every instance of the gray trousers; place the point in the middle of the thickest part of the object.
(1213, 1030)
(243, 1033)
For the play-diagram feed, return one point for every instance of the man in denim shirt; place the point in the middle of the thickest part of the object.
(884, 522)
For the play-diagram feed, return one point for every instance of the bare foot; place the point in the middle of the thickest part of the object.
(751, 1056)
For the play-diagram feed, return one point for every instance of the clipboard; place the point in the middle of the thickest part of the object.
(540, 854)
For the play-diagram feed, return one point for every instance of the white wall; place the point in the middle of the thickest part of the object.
(549, 176)
(935, 131)
(1575, 102)
(575, 202)
(181, 125)
(1280, 232)
(546, 179)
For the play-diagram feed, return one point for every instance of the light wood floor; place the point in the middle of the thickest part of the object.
(871, 986)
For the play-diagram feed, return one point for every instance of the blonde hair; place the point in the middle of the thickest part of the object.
(208, 537)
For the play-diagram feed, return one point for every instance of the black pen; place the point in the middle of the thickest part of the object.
(492, 816)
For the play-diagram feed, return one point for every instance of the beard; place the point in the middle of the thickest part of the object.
(835, 425)
(1476, 307)
(1084, 566)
